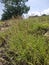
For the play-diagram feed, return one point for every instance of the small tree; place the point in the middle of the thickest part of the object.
(44, 15)
(14, 8)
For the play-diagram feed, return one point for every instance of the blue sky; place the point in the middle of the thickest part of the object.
(35, 5)
(38, 5)
(1, 9)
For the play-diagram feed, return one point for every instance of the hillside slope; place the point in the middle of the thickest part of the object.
(23, 42)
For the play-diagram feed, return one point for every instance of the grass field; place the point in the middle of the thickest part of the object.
(25, 43)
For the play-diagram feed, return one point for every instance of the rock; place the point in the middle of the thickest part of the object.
(2, 60)
(1, 63)
(6, 24)
(46, 34)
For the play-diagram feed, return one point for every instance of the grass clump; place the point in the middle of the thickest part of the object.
(26, 44)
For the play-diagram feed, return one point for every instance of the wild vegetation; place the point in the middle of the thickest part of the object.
(13, 8)
(24, 42)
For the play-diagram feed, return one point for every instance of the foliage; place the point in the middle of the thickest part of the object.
(14, 8)
(44, 15)
(27, 44)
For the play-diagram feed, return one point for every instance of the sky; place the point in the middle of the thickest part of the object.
(1, 9)
(36, 6)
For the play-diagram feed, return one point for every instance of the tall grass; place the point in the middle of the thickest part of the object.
(27, 42)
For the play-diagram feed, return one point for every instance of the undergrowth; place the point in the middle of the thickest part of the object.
(26, 44)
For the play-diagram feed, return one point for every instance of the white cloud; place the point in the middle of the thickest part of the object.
(45, 12)
(39, 13)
